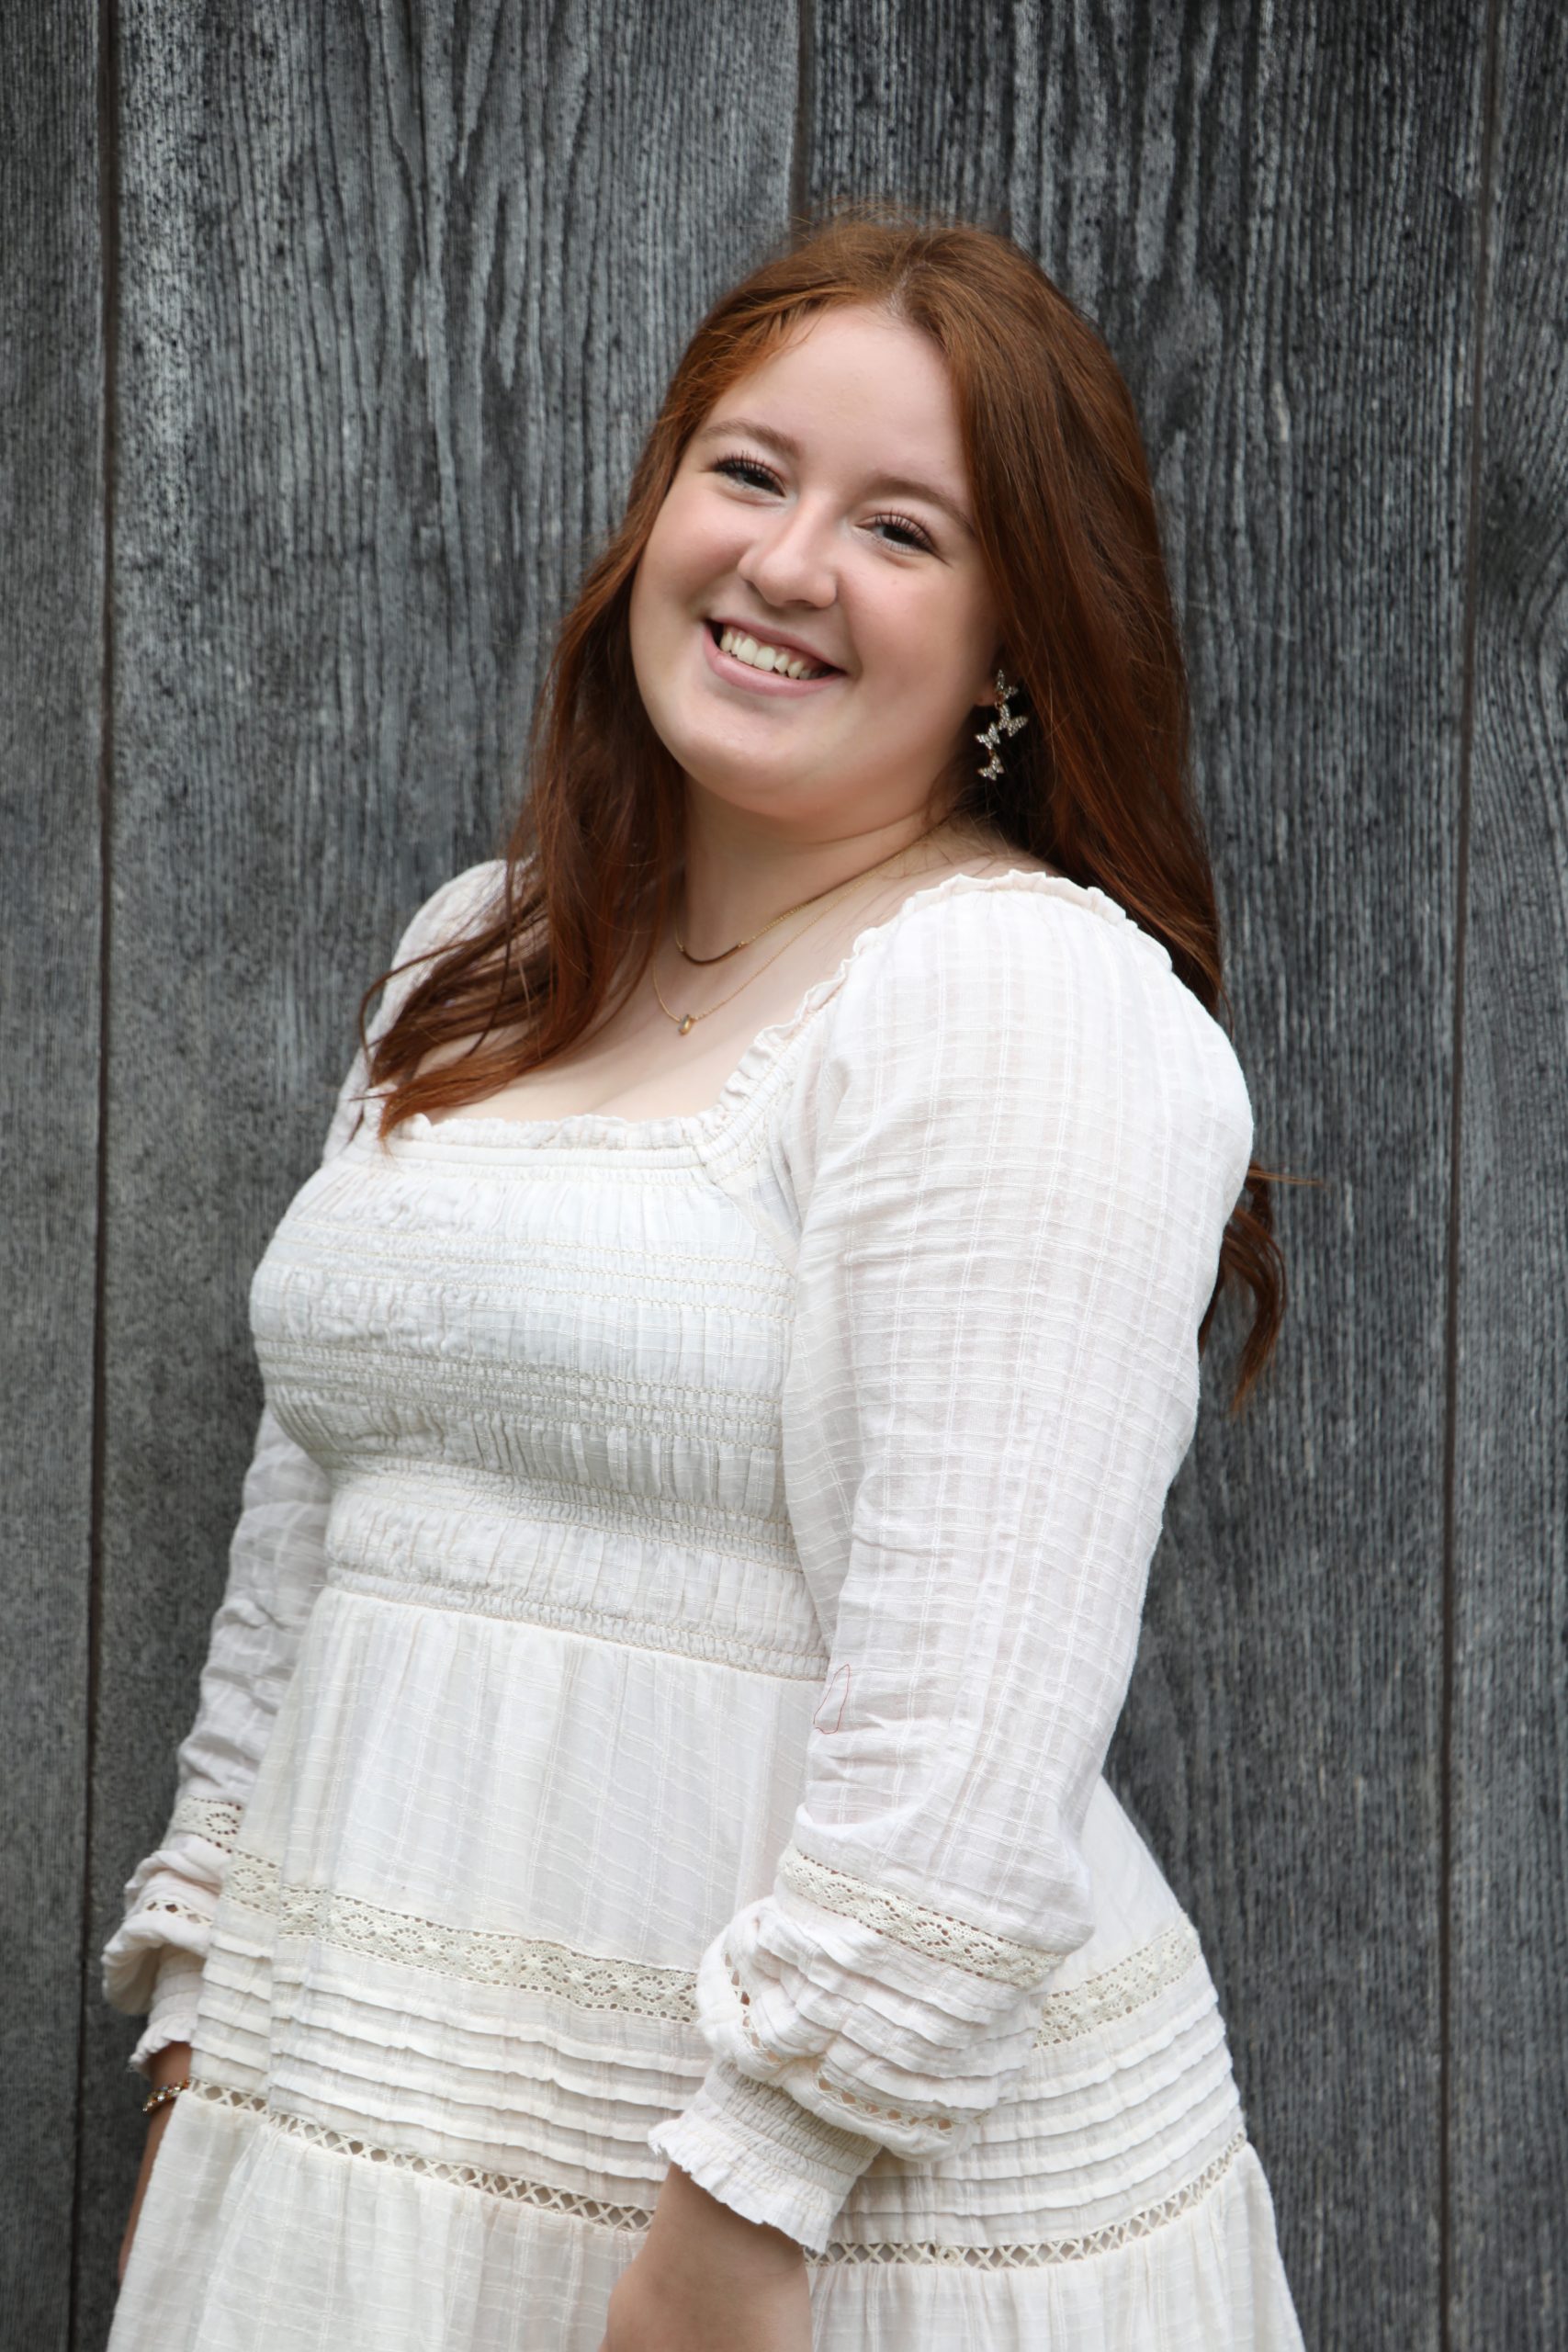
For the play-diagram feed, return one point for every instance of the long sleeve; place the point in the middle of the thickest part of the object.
(277, 1566)
(1025, 1139)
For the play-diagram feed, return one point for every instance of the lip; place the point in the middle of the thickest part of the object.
(759, 682)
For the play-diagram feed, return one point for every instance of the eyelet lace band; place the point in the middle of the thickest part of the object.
(946, 1939)
(487, 1956)
(857, 2103)
(1127, 1984)
(546, 2197)
(169, 1906)
(215, 1818)
(472, 1955)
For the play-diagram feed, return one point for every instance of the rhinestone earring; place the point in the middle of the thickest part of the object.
(1006, 722)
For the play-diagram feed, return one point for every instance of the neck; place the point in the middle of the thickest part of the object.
(740, 874)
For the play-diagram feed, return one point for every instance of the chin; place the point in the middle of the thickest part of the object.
(742, 781)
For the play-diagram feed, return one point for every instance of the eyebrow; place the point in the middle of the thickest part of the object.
(888, 485)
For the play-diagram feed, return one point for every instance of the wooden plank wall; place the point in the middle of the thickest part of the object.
(1508, 2010)
(53, 523)
(369, 308)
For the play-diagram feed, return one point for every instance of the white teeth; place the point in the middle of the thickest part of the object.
(767, 657)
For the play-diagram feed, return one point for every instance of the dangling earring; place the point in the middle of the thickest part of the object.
(1006, 722)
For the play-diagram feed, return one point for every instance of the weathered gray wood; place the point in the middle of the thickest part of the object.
(392, 322)
(1270, 218)
(1509, 2022)
(51, 639)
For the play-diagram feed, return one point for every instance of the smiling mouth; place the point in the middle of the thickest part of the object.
(782, 660)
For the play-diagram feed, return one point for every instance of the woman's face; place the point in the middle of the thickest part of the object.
(822, 510)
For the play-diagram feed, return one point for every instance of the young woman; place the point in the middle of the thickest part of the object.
(641, 1878)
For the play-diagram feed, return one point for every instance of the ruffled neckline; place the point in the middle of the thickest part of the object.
(611, 1129)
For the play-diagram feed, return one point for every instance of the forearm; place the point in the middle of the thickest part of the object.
(707, 2279)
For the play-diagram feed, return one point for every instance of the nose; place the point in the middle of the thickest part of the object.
(789, 559)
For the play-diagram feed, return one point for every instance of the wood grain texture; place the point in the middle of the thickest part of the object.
(1508, 2023)
(397, 292)
(50, 641)
(397, 306)
(1270, 217)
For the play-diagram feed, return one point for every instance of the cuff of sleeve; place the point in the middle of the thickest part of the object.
(166, 1910)
(759, 2151)
(173, 2014)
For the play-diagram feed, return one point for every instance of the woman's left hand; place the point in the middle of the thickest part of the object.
(706, 2280)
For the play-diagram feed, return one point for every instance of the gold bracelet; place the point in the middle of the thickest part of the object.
(165, 2091)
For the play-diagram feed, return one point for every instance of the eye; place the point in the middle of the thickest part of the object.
(916, 535)
(752, 474)
(758, 475)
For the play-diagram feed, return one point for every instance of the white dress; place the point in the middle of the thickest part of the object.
(688, 1577)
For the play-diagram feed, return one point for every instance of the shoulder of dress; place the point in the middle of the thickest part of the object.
(448, 911)
(964, 943)
(1049, 980)
(436, 922)
(1021, 911)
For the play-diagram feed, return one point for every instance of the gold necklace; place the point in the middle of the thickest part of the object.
(686, 1021)
(804, 902)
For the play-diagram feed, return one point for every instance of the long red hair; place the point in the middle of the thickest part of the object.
(1096, 787)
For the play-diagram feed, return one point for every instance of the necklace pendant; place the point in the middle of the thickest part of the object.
(686, 1021)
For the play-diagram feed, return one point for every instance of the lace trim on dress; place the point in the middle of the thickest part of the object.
(934, 2119)
(487, 1956)
(215, 1818)
(167, 1906)
(1126, 1986)
(547, 2198)
(477, 1955)
(953, 1940)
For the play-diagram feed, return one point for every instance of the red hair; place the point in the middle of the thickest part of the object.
(1097, 787)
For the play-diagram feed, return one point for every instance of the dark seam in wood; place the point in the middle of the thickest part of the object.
(805, 91)
(1455, 1141)
(108, 295)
